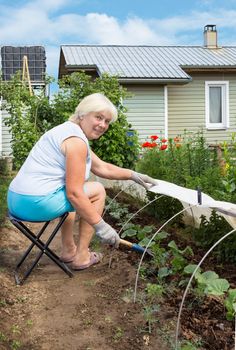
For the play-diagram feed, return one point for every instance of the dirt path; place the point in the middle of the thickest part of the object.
(91, 311)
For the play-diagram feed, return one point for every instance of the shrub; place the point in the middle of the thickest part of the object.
(30, 116)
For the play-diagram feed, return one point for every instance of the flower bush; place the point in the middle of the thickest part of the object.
(184, 160)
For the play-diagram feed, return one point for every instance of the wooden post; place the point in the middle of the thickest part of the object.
(26, 75)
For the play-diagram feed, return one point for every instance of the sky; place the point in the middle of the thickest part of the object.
(51, 23)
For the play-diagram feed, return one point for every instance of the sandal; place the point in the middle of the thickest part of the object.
(68, 261)
(95, 258)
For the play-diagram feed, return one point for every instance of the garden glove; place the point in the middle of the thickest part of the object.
(107, 234)
(143, 180)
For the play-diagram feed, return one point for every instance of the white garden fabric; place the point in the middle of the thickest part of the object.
(190, 198)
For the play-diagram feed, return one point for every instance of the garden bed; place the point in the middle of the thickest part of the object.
(95, 310)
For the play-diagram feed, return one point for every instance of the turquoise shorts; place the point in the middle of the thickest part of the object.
(39, 208)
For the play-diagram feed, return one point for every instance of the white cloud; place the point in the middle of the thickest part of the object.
(44, 22)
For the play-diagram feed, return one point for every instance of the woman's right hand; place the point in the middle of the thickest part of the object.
(107, 234)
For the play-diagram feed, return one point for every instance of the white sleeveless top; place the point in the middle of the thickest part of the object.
(43, 171)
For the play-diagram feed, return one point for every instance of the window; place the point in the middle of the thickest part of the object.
(217, 104)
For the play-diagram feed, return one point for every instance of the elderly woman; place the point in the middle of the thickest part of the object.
(53, 180)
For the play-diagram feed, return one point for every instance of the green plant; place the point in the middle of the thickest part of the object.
(29, 323)
(210, 231)
(141, 233)
(228, 168)
(30, 116)
(230, 304)
(16, 344)
(118, 334)
(154, 291)
(186, 161)
(4, 183)
(2, 337)
(187, 345)
(208, 282)
(15, 329)
(178, 261)
(151, 315)
(5, 166)
(22, 116)
(116, 210)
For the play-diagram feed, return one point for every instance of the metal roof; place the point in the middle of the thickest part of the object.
(146, 62)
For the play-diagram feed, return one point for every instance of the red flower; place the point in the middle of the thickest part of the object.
(146, 144)
(176, 139)
(154, 137)
(163, 147)
(153, 144)
(163, 140)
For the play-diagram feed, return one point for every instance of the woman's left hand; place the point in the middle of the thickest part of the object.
(143, 180)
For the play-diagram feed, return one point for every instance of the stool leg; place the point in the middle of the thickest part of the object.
(44, 248)
(32, 244)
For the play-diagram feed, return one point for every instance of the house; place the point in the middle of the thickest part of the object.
(174, 88)
(28, 59)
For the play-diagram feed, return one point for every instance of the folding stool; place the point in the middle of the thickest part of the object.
(43, 246)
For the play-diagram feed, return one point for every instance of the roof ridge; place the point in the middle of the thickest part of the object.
(158, 46)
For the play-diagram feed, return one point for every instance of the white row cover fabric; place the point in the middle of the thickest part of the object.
(201, 206)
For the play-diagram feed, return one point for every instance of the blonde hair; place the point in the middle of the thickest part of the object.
(96, 102)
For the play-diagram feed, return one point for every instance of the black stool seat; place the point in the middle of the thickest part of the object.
(42, 246)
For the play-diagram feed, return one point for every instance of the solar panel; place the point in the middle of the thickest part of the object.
(12, 61)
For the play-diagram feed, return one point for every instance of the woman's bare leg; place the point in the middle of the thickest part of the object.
(68, 243)
(97, 195)
(80, 255)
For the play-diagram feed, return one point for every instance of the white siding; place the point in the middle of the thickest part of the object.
(186, 107)
(5, 148)
(146, 110)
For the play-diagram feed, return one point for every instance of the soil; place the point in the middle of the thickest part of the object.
(94, 310)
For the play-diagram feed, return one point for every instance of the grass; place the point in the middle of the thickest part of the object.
(4, 183)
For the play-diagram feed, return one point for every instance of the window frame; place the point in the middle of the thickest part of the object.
(224, 85)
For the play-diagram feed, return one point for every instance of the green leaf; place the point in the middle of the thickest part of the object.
(178, 263)
(129, 233)
(145, 241)
(161, 235)
(164, 272)
(189, 269)
(217, 286)
(207, 276)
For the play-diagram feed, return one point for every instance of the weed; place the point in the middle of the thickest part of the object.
(150, 316)
(15, 329)
(29, 323)
(22, 299)
(187, 345)
(108, 319)
(3, 302)
(16, 344)
(2, 337)
(87, 322)
(118, 334)
(128, 295)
